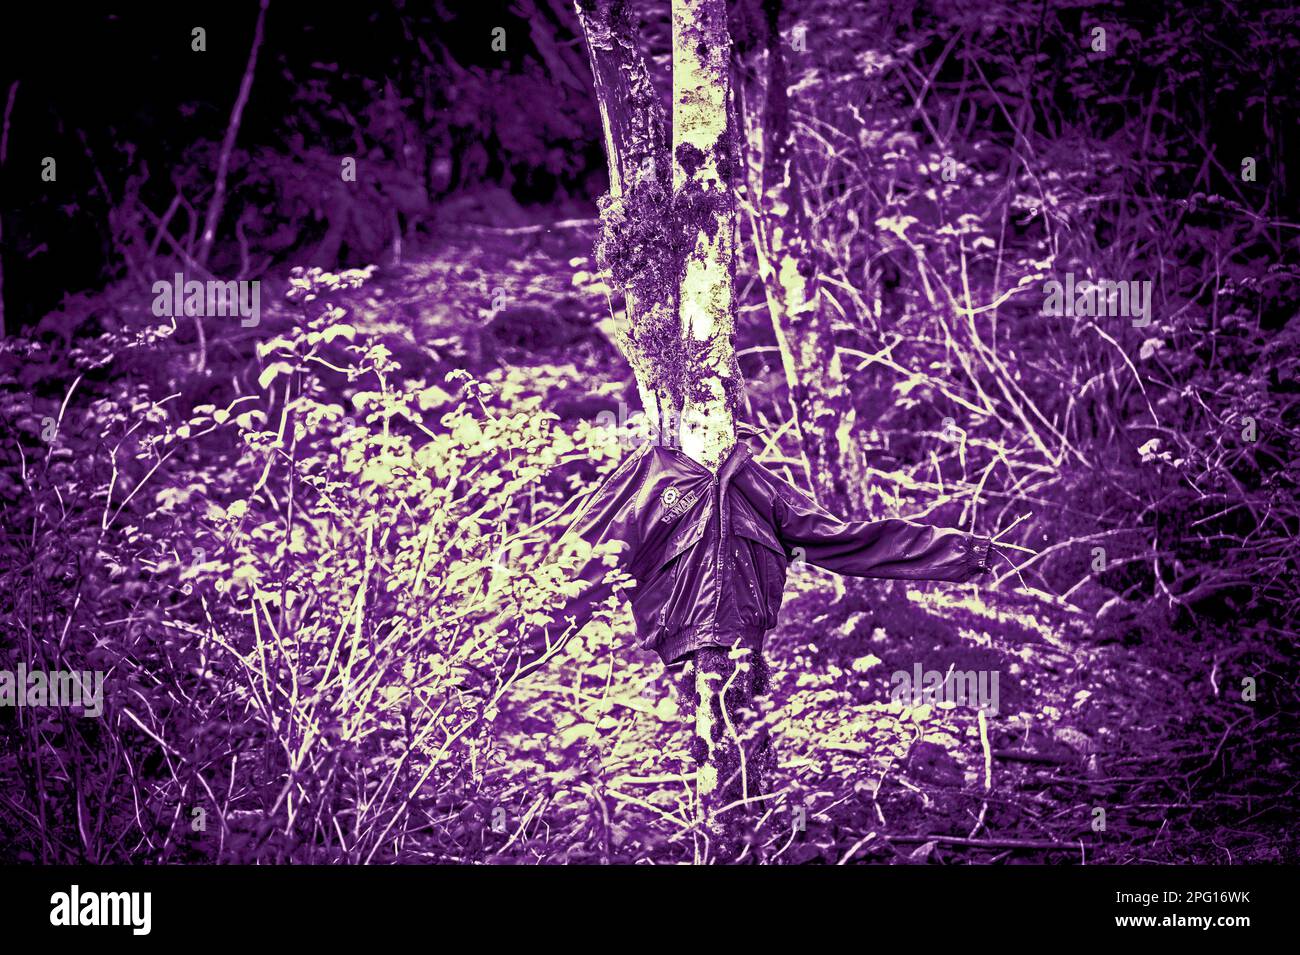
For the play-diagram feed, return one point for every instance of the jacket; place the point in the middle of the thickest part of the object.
(709, 553)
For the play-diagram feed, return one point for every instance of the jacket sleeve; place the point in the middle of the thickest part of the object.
(609, 514)
(894, 549)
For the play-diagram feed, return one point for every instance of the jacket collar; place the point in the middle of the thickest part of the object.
(740, 453)
(736, 458)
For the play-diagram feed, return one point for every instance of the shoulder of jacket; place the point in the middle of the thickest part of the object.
(615, 482)
(760, 472)
(755, 437)
(635, 459)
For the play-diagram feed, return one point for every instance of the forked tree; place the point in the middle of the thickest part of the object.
(669, 233)
(669, 219)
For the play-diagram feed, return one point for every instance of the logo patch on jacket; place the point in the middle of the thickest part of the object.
(675, 503)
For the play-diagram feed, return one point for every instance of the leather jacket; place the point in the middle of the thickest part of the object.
(709, 552)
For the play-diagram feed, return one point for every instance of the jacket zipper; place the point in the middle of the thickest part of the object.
(722, 548)
(717, 487)
(725, 472)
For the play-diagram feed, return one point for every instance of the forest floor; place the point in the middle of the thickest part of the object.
(1102, 744)
(1097, 752)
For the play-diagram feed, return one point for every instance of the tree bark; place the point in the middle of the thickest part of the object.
(669, 242)
(704, 179)
(636, 152)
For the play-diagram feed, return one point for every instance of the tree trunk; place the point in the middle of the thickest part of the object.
(704, 179)
(669, 242)
(670, 245)
(218, 201)
(789, 267)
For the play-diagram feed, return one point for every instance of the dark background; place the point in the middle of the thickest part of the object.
(130, 112)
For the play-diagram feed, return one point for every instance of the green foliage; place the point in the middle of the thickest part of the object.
(289, 590)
